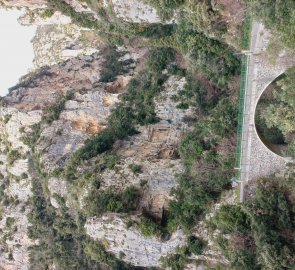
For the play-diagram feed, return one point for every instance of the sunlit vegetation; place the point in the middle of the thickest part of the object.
(179, 260)
(275, 116)
(278, 16)
(62, 237)
(207, 153)
(208, 56)
(98, 202)
(259, 233)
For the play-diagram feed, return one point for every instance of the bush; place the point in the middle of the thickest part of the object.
(291, 149)
(195, 245)
(54, 111)
(107, 160)
(135, 168)
(259, 232)
(112, 67)
(166, 8)
(98, 202)
(149, 227)
(191, 148)
(175, 261)
(159, 59)
(9, 222)
(231, 218)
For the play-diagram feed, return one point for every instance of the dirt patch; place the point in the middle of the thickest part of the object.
(89, 127)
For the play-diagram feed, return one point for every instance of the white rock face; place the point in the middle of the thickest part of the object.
(14, 239)
(34, 17)
(134, 11)
(82, 117)
(56, 43)
(139, 251)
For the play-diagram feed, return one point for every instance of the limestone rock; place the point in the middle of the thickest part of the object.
(133, 11)
(112, 231)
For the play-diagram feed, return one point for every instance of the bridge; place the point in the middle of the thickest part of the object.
(255, 159)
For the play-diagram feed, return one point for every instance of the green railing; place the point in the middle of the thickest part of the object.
(243, 86)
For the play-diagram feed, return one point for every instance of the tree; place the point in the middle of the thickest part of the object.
(278, 16)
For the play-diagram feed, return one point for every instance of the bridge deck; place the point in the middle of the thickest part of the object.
(256, 159)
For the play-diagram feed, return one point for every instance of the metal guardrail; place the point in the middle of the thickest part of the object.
(243, 86)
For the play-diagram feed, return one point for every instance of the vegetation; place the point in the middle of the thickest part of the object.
(208, 56)
(180, 259)
(166, 8)
(135, 168)
(260, 231)
(208, 165)
(112, 67)
(62, 237)
(107, 160)
(136, 106)
(54, 111)
(148, 227)
(98, 202)
(206, 151)
(278, 16)
(275, 115)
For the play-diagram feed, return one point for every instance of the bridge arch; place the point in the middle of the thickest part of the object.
(268, 145)
(257, 160)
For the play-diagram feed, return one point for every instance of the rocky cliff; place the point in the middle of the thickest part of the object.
(49, 186)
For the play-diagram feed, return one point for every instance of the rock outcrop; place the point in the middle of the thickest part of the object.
(69, 63)
(130, 244)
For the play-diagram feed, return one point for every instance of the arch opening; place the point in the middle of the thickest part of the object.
(275, 115)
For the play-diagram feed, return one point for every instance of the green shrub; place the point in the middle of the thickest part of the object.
(175, 261)
(9, 222)
(53, 112)
(195, 245)
(291, 149)
(259, 231)
(106, 160)
(112, 67)
(12, 156)
(191, 148)
(149, 227)
(166, 8)
(231, 218)
(159, 59)
(97, 202)
(135, 168)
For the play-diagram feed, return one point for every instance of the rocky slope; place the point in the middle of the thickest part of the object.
(85, 114)
(57, 109)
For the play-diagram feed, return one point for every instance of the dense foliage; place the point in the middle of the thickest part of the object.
(208, 56)
(207, 153)
(112, 67)
(278, 16)
(261, 231)
(276, 112)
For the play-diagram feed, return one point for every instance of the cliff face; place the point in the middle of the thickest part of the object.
(66, 102)
(83, 115)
